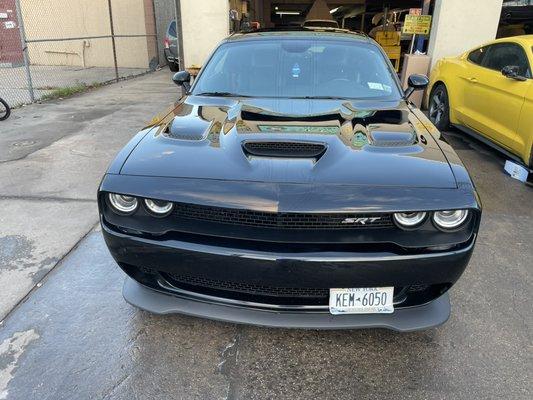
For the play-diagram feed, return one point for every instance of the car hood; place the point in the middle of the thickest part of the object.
(301, 141)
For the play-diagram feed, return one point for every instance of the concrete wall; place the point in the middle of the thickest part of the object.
(204, 24)
(459, 25)
(82, 18)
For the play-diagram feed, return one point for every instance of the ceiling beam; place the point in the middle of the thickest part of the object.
(331, 3)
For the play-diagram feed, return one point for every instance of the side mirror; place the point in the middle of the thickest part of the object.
(513, 72)
(416, 82)
(182, 78)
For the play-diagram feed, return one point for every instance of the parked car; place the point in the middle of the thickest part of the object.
(171, 47)
(487, 92)
(292, 185)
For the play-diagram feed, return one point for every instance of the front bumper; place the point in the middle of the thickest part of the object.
(409, 319)
(417, 310)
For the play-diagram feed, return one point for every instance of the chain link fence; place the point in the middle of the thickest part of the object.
(55, 48)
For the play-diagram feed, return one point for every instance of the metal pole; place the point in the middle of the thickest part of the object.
(155, 31)
(425, 11)
(113, 39)
(25, 50)
(179, 31)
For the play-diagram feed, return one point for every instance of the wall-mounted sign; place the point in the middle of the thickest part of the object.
(417, 24)
(415, 11)
(10, 25)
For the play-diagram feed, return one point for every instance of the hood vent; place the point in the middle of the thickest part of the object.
(392, 139)
(284, 149)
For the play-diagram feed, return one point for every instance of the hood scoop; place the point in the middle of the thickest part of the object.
(284, 149)
(398, 136)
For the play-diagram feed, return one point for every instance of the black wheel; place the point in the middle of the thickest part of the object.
(439, 107)
(5, 111)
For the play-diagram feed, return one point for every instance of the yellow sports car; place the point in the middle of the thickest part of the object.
(487, 92)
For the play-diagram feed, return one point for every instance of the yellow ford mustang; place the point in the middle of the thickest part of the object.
(487, 92)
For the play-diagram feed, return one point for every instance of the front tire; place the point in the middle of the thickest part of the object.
(439, 107)
(5, 110)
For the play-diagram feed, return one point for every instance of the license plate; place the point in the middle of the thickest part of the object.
(361, 301)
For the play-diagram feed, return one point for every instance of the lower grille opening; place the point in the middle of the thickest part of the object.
(277, 296)
(259, 293)
(249, 292)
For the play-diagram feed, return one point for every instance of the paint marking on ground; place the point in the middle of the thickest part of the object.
(10, 351)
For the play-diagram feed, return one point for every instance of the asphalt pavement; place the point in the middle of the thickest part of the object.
(66, 332)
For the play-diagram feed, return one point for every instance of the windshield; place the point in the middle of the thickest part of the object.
(300, 68)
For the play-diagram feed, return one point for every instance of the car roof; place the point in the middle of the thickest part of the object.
(300, 32)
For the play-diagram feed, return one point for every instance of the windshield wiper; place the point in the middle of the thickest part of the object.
(221, 94)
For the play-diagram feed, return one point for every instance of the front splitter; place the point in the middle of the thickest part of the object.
(403, 320)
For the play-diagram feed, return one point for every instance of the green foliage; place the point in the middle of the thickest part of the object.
(67, 91)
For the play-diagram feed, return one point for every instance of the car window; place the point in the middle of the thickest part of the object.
(504, 54)
(172, 29)
(299, 68)
(477, 56)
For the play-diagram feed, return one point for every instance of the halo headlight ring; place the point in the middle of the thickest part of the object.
(158, 208)
(409, 220)
(122, 204)
(450, 220)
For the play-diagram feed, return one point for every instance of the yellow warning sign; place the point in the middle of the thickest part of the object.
(417, 24)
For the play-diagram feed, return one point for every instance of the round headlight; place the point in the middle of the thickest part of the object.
(409, 220)
(122, 204)
(450, 219)
(158, 207)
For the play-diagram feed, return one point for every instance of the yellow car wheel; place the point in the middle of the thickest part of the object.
(439, 107)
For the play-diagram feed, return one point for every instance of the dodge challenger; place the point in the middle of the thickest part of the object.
(292, 185)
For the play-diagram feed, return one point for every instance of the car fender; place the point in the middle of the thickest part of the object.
(525, 126)
(446, 72)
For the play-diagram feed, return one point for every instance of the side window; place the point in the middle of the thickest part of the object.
(478, 55)
(503, 54)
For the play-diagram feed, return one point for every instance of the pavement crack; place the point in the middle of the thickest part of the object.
(115, 386)
(45, 276)
(521, 318)
(229, 357)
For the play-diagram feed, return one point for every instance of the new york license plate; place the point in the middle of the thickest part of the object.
(361, 300)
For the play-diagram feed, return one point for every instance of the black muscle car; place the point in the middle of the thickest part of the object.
(293, 185)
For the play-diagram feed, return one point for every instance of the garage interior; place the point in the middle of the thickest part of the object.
(384, 20)
(367, 16)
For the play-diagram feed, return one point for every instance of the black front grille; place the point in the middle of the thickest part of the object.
(258, 293)
(248, 288)
(284, 149)
(311, 221)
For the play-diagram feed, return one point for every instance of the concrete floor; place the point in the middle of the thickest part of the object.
(74, 337)
(14, 84)
(52, 157)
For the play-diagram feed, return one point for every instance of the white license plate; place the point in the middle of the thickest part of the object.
(361, 300)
